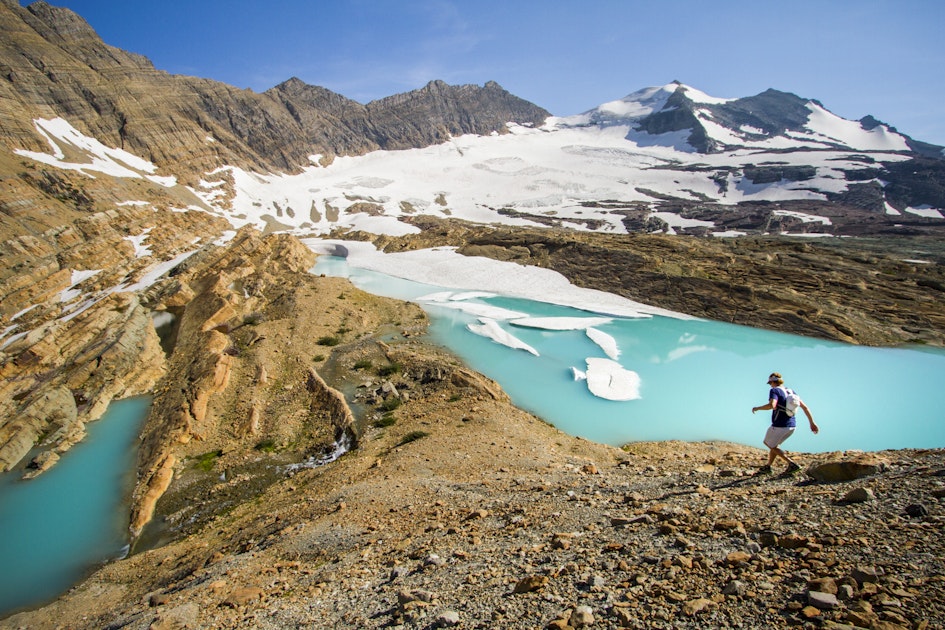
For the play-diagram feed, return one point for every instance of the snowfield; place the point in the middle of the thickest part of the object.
(558, 172)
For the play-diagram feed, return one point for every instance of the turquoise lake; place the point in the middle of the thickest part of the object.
(698, 379)
(72, 518)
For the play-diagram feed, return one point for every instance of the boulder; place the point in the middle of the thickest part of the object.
(866, 465)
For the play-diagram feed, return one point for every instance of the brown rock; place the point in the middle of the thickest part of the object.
(738, 557)
(866, 465)
(531, 583)
(696, 606)
(244, 597)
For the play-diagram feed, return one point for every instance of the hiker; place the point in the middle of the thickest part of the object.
(783, 404)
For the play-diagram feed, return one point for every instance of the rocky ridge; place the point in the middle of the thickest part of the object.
(252, 330)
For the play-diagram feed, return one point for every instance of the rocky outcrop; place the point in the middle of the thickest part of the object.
(253, 327)
(848, 469)
(72, 338)
(330, 400)
(437, 111)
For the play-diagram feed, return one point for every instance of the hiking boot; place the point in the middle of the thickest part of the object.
(764, 470)
(792, 468)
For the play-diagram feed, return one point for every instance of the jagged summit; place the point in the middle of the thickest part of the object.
(687, 117)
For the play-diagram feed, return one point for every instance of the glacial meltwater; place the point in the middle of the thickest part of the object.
(57, 527)
(677, 379)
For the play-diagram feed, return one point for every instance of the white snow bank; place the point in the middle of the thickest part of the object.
(925, 211)
(561, 323)
(850, 133)
(444, 267)
(481, 310)
(608, 379)
(490, 328)
(101, 159)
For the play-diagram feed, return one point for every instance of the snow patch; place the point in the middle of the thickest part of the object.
(926, 211)
(141, 250)
(444, 267)
(62, 136)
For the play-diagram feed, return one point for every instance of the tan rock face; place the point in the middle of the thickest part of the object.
(83, 341)
(254, 327)
(55, 384)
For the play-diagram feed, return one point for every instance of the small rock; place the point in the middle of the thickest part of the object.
(792, 541)
(810, 612)
(823, 585)
(477, 514)
(865, 575)
(822, 601)
(859, 495)
(582, 616)
(531, 583)
(695, 606)
(434, 560)
(447, 619)
(738, 557)
(243, 597)
(917, 510)
(729, 525)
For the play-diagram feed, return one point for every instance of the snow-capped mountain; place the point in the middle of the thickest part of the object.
(771, 120)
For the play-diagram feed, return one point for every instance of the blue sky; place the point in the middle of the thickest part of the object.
(857, 57)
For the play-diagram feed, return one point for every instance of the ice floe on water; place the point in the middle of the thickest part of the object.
(491, 329)
(606, 342)
(467, 281)
(608, 379)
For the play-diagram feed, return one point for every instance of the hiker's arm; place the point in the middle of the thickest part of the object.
(771, 405)
(810, 417)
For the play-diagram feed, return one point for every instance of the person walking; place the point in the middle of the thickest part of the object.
(781, 402)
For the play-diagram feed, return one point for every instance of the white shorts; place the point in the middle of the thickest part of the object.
(776, 436)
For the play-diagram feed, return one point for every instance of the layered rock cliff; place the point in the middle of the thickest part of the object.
(53, 64)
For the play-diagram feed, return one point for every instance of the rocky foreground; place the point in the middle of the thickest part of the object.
(459, 510)
(454, 508)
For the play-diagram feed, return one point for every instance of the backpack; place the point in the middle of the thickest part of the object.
(791, 401)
